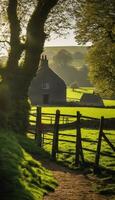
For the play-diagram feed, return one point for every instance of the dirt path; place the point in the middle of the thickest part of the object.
(72, 186)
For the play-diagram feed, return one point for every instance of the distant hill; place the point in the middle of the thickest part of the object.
(69, 63)
(52, 51)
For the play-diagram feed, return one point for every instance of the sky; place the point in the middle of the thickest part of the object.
(68, 41)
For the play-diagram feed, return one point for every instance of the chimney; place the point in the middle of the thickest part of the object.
(44, 62)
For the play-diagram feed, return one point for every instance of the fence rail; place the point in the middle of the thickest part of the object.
(58, 123)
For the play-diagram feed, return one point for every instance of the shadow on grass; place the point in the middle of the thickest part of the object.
(102, 186)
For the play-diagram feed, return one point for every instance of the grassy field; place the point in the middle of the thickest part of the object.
(77, 94)
(106, 184)
(87, 134)
(87, 111)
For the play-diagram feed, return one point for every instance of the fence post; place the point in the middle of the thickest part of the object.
(79, 151)
(97, 156)
(77, 161)
(50, 120)
(38, 127)
(63, 120)
(55, 135)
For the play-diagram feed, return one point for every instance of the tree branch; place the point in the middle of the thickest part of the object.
(111, 36)
(5, 41)
(36, 35)
(14, 22)
(15, 44)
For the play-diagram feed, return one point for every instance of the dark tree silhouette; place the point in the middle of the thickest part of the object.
(24, 29)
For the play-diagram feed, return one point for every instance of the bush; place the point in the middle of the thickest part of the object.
(74, 85)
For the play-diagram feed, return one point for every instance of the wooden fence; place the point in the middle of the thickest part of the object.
(59, 122)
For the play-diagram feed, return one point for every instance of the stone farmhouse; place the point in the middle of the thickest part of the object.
(47, 88)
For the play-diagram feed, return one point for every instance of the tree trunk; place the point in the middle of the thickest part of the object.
(19, 79)
(16, 47)
(36, 36)
(13, 76)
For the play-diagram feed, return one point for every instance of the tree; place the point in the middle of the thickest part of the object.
(19, 79)
(63, 58)
(101, 60)
(83, 78)
(95, 22)
(74, 85)
(36, 14)
(62, 65)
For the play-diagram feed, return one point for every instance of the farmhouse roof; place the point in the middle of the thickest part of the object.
(45, 71)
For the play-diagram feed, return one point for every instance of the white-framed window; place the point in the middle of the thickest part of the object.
(45, 85)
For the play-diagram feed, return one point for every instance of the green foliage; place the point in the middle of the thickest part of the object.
(21, 176)
(106, 186)
(95, 22)
(5, 103)
(69, 63)
(30, 146)
(101, 59)
(78, 56)
(74, 85)
(63, 58)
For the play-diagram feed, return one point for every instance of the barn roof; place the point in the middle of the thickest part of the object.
(91, 99)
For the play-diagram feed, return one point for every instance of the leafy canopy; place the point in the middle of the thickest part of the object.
(95, 23)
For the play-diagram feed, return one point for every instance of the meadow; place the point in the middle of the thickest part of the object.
(87, 134)
(107, 112)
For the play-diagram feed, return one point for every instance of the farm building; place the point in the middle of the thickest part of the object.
(91, 100)
(47, 88)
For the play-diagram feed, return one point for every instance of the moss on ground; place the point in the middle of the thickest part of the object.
(21, 176)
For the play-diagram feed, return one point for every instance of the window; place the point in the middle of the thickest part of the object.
(45, 85)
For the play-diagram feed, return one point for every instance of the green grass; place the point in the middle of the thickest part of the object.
(68, 159)
(87, 111)
(77, 94)
(91, 134)
(21, 176)
(89, 156)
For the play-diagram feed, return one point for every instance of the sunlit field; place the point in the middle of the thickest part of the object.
(86, 133)
(87, 111)
(88, 136)
(77, 94)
